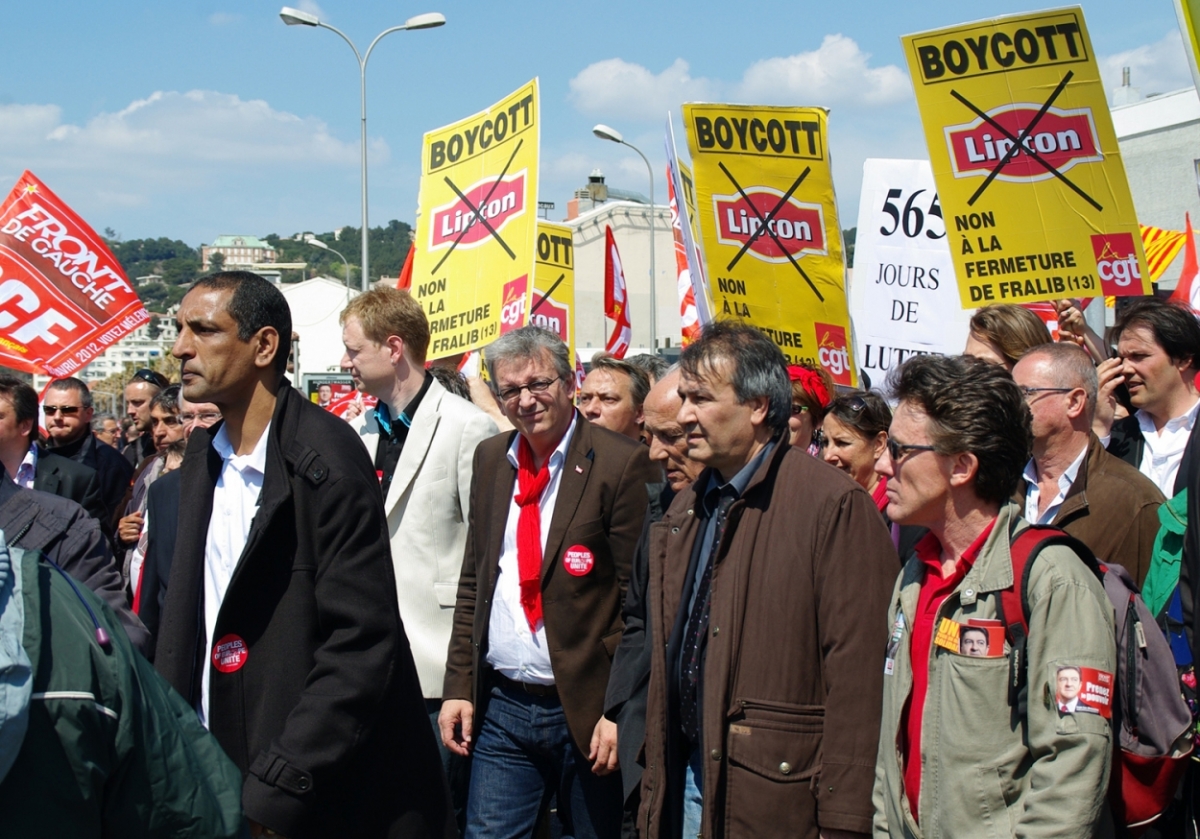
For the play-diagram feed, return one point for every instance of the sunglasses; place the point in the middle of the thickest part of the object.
(150, 377)
(899, 451)
(65, 410)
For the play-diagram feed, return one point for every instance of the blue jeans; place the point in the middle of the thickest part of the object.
(693, 796)
(523, 755)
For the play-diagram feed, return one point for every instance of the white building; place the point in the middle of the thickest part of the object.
(316, 305)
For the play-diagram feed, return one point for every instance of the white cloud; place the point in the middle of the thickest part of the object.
(1160, 67)
(223, 18)
(837, 72)
(615, 86)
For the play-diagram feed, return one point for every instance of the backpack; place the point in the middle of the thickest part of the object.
(1151, 719)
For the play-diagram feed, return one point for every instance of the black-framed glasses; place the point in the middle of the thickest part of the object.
(151, 377)
(797, 410)
(65, 410)
(1030, 391)
(899, 451)
(510, 394)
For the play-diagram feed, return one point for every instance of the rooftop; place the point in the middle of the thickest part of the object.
(225, 241)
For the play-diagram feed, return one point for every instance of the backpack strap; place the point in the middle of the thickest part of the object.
(1024, 548)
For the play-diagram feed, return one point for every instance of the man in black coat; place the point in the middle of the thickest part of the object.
(280, 623)
(68, 409)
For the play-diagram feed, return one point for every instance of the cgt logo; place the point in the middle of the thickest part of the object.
(1061, 138)
(832, 352)
(1117, 264)
(798, 228)
(458, 222)
(512, 306)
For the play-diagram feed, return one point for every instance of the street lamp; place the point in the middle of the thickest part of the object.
(606, 133)
(310, 239)
(429, 20)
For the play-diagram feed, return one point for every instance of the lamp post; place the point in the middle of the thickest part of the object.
(606, 133)
(429, 20)
(310, 239)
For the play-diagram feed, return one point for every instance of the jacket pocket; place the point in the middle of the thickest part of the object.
(993, 808)
(774, 752)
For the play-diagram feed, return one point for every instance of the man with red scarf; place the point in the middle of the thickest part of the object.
(556, 512)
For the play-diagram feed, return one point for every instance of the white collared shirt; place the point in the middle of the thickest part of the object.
(235, 502)
(27, 471)
(513, 650)
(1164, 450)
(1033, 493)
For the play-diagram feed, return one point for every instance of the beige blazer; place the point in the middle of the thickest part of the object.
(427, 507)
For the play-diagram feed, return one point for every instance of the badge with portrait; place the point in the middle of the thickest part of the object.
(976, 638)
(1082, 690)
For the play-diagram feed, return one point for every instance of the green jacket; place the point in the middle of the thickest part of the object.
(986, 771)
(110, 748)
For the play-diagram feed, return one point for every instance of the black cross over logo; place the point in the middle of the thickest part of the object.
(765, 224)
(475, 212)
(1018, 144)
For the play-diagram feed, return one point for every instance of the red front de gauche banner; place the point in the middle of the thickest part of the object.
(64, 298)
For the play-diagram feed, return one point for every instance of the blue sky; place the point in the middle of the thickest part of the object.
(190, 120)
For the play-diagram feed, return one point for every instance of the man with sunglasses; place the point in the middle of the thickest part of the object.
(556, 510)
(140, 391)
(960, 754)
(1070, 481)
(68, 409)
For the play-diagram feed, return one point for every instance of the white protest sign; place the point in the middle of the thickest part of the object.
(903, 297)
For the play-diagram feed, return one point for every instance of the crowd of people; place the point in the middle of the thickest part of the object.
(720, 598)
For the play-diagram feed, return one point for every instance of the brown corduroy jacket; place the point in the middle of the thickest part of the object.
(792, 682)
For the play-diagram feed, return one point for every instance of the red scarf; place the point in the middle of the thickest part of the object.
(530, 486)
(879, 494)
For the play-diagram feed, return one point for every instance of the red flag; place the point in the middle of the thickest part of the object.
(64, 297)
(688, 316)
(405, 281)
(1187, 290)
(616, 298)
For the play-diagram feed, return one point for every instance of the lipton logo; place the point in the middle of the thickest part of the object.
(1060, 138)
(512, 307)
(1117, 263)
(456, 219)
(551, 316)
(795, 229)
(832, 352)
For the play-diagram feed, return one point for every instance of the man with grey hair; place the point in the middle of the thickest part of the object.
(1071, 481)
(69, 417)
(107, 429)
(769, 575)
(612, 395)
(556, 510)
(654, 366)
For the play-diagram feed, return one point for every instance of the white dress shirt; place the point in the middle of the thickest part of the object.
(27, 471)
(1033, 493)
(235, 502)
(513, 650)
(1164, 450)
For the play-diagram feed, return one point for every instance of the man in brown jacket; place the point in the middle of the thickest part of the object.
(769, 580)
(556, 510)
(1071, 481)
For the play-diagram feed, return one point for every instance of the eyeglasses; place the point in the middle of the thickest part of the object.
(65, 410)
(535, 387)
(1030, 391)
(210, 418)
(899, 451)
(150, 377)
(856, 404)
(797, 410)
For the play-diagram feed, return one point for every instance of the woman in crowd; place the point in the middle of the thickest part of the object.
(812, 391)
(1002, 333)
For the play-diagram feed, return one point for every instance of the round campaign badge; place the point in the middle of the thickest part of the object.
(230, 653)
(579, 560)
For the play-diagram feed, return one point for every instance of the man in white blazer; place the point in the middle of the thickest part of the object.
(422, 439)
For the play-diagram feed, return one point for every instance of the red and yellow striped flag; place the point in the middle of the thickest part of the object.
(1162, 246)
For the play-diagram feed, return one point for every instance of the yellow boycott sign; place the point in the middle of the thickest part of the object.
(769, 224)
(553, 305)
(1032, 187)
(477, 224)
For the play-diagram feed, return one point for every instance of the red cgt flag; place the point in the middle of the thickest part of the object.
(64, 298)
(404, 283)
(616, 298)
(1187, 290)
